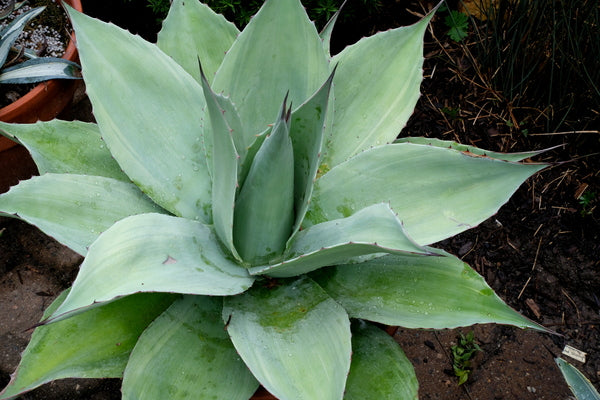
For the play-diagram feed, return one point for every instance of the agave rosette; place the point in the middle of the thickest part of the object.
(243, 223)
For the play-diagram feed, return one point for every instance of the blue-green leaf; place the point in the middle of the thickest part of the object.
(449, 144)
(263, 215)
(436, 192)
(74, 209)
(370, 231)
(581, 387)
(224, 166)
(94, 344)
(11, 32)
(206, 36)
(157, 143)
(306, 131)
(279, 51)
(153, 253)
(65, 147)
(186, 354)
(325, 34)
(376, 88)
(289, 335)
(379, 368)
(40, 69)
(417, 292)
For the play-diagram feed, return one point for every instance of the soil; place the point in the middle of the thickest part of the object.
(539, 253)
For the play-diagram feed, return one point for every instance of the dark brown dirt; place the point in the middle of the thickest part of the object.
(539, 253)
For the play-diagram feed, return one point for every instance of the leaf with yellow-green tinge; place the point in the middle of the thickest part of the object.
(186, 353)
(417, 292)
(94, 344)
(206, 34)
(159, 145)
(376, 88)
(66, 147)
(291, 334)
(436, 192)
(75, 209)
(372, 230)
(279, 51)
(379, 368)
(153, 253)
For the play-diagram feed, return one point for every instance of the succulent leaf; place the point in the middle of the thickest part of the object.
(183, 171)
(95, 344)
(11, 32)
(186, 352)
(40, 69)
(291, 334)
(65, 147)
(207, 36)
(379, 368)
(159, 146)
(325, 34)
(581, 387)
(376, 88)
(75, 209)
(153, 253)
(306, 131)
(373, 230)
(471, 150)
(437, 192)
(224, 165)
(417, 292)
(264, 210)
(279, 51)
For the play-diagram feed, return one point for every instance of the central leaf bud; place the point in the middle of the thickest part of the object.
(264, 209)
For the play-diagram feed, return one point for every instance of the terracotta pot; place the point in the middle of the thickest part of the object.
(44, 102)
(263, 394)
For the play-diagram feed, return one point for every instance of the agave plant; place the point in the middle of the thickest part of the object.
(246, 222)
(34, 69)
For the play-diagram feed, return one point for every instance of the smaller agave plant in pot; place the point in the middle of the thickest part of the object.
(34, 69)
(245, 223)
(21, 66)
